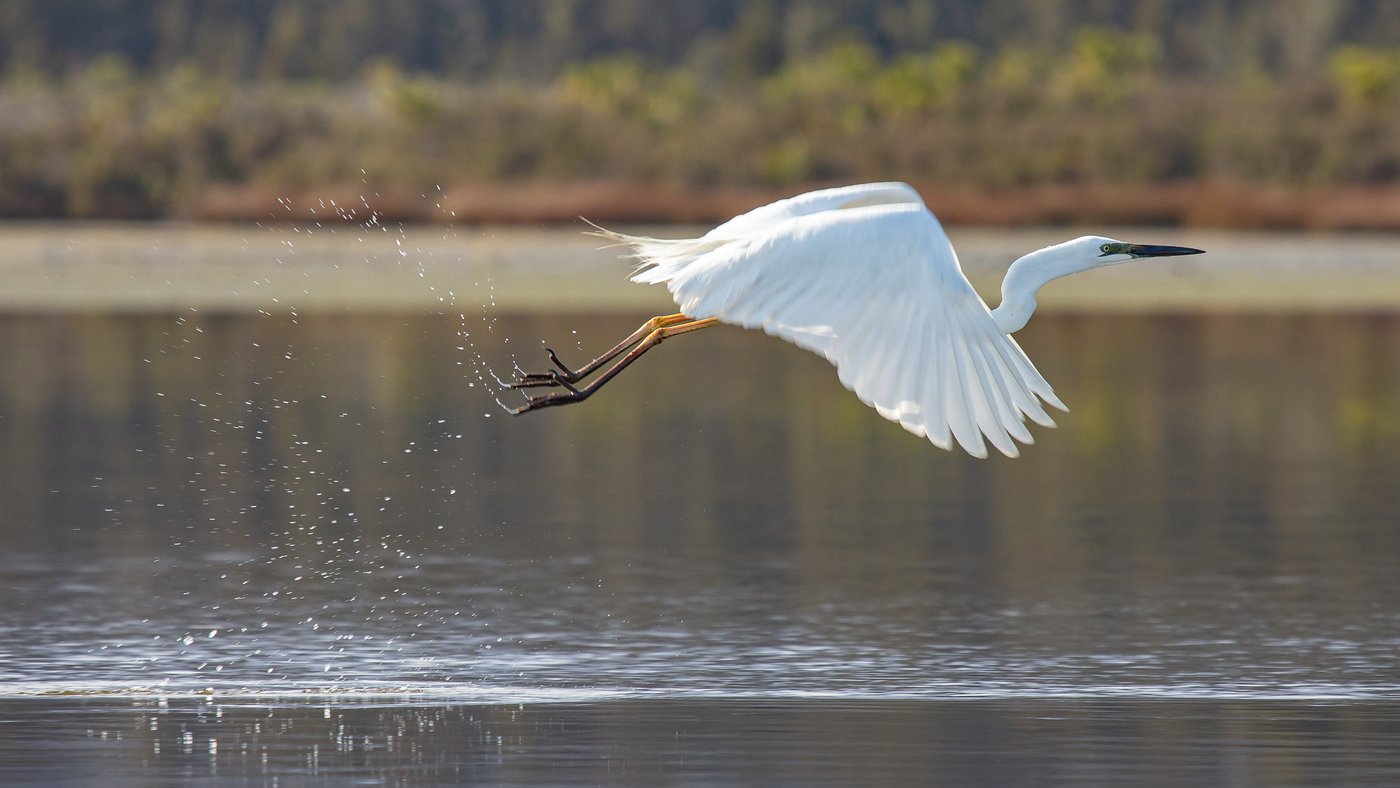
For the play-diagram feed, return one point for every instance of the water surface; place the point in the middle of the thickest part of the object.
(252, 546)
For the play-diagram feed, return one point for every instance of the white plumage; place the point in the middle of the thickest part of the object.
(865, 276)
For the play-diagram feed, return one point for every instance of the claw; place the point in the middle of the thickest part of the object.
(537, 379)
(533, 379)
(649, 335)
(563, 376)
(557, 398)
(569, 374)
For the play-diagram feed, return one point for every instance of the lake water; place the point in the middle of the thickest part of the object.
(258, 548)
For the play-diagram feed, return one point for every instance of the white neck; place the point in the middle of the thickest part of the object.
(1026, 276)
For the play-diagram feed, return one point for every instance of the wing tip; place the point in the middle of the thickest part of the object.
(1054, 401)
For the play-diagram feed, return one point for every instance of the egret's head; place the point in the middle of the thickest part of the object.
(1099, 251)
(1035, 270)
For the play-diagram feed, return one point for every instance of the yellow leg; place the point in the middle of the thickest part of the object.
(676, 329)
(565, 375)
(655, 337)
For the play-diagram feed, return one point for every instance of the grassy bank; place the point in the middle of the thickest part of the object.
(1101, 133)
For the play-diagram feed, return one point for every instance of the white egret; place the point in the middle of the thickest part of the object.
(865, 276)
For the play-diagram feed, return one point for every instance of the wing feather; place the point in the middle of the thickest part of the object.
(934, 402)
(906, 395)
(975, 387)
(1009, 424)
(961, 418)
(1022, 396)
(887, 371)
(866, 277)
(820, 201)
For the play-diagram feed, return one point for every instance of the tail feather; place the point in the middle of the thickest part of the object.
(658, 259)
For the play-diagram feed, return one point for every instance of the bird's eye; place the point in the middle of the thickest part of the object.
(1106, 248)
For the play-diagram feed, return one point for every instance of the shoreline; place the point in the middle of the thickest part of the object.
(1181, 204)
(474, 270)
(1193, 204)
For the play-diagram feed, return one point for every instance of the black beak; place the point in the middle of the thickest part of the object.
(1149, 250)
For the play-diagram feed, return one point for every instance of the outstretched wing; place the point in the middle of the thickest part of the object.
(878, 291)
(822, 200)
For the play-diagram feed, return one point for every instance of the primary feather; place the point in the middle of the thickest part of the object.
(865, 276)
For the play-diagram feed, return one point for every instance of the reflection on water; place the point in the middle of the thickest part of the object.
(262, 505)
(716, 742)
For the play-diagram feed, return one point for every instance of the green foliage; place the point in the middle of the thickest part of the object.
(1367, 75)
(735, 39)
(415, 101)
(843, 71)
(614, 83)
(767, 93)
(1104, 62)
(788, 162)
(919, 83)
(625, 85)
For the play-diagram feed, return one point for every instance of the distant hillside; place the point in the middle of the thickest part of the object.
(539, 39)
(1280, 113)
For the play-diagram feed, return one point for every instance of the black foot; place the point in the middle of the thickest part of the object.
(557, 398)
(563, 376)
(568, 374)
(535, 379)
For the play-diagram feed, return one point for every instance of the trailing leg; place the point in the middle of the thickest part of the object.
(562, 376)
(572, 394)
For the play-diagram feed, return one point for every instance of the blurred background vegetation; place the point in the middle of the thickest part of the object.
(1251, 112)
